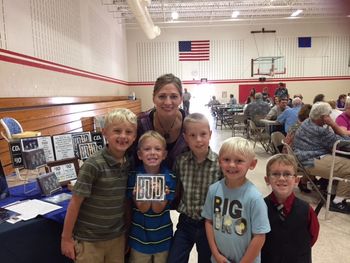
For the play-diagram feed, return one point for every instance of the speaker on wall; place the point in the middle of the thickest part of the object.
(262, 79)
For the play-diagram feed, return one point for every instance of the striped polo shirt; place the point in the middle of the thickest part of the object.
(102, 182)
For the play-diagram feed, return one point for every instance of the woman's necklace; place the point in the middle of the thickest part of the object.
(166, 134)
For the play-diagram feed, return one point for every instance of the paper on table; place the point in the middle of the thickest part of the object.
(29, 209)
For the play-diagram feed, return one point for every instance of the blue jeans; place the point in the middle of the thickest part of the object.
(189, 232)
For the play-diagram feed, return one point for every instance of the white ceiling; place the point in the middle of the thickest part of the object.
(203, 12)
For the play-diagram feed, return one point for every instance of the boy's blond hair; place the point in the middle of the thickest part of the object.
(151, 134)
(120, 115)
(281, 158)
(237, 145)
(195, 118)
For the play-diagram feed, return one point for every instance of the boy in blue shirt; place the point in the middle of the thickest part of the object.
(151, 227)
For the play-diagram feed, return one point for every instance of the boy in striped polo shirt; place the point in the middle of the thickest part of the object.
(151, 227)
(94, 227)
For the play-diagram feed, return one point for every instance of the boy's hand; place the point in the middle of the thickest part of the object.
(167, 190)
(221, 259)
(67, 247)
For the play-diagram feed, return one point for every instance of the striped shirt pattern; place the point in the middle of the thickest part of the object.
(195, 179)
(102, 182)
(151, 232)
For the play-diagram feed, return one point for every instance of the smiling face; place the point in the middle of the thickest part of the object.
(167, 100)
(282, 179)
(235, 166)
(197, 135)
(120, 135)
(152, 152)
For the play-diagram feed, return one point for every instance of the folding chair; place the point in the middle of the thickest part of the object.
(276, 140)
(304, 172)
(13, 129)
(258, 134)
(336, 150)
(239, 123)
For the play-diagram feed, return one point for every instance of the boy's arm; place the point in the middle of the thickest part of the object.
(143, 206)
(159, 206)
(212, 244)
(254, 248)
(67, 241)
(314, 226)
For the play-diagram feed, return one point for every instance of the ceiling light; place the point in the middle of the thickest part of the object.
(235, 14)
(175, 15)
(296, 13)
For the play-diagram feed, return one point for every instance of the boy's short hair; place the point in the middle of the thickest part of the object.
(237, 145)
(282, 158)
(151, 134)
(120, 115)
(195, 118)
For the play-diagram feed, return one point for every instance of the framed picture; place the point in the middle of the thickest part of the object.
(65, 170)
(150, 187)
(48, 183)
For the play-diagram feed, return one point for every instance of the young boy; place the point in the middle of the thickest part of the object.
(94, 225)
(294, 224)
(151, 228)
(195, 171)
(235, 212)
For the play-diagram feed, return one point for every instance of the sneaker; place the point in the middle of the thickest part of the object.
(341, 207)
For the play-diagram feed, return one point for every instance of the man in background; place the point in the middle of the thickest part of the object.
(186, 101)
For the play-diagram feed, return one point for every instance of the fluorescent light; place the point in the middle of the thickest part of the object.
(296, 13)
(175, 15)
(235, 14)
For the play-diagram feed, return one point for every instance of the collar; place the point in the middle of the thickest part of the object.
(162, 170)
(211, 156)
(110, 160)
(287, 204)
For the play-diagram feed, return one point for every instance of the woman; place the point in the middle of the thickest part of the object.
(251, 96)
(341, 101)
(166, 117)
(343, 120)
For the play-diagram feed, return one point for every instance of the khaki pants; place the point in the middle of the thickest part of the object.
(341, 169)
(110, 251)
(137, 257)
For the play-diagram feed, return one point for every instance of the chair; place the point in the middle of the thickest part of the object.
(239, 123)
(336, 150)
(276, 140)
(302, 171)
(258, 134)
(14, 130)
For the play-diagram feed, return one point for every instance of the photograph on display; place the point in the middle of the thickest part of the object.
(45, 142)
(98, 138)
(63, 146)
(33, 158)
(29, 143)
(79, 138)
(87, 149)
(16, 154)
(65, 170)
(48, 183)
(150, 187)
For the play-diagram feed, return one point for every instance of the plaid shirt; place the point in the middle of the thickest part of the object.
(195, 179)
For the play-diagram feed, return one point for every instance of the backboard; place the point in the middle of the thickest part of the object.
(269, 66)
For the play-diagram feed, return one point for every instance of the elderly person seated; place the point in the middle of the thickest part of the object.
(313, 146)
(257, 107)
(343, 120)
(289, 117)
(281, 105)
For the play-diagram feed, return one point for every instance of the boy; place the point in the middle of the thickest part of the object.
(195, 171)
(294, 224)
(151, 228)
(94, 225)
(235, 212)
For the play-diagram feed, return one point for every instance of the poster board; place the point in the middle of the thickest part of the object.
(150, 187)
(63, 145)
(65, 170)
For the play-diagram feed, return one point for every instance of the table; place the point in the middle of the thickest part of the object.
(37, 240)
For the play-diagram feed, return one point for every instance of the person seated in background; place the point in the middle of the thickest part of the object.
(302, 115)
(233, 100)
(341, 101)
(266, 95)
(318, 98)
(290, 116)
(257, 108)
(251, 96)
(281, 91)
(335, 112)
(277, 109)
(313, 144)
(213, 101)
(343, 120)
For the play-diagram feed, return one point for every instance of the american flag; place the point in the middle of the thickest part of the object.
(197, 50)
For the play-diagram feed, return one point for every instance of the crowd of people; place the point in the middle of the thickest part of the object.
(221, 211)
